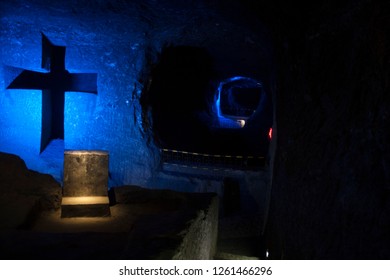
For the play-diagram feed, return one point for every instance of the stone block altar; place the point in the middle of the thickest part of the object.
(85, 192)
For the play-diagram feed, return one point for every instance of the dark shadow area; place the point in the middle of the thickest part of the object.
(182, 98)
(179, 96)
(231, 196)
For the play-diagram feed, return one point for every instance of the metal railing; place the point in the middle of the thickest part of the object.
(215, 161)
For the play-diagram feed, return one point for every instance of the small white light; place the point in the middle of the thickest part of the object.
(266, 254)
(241, 123)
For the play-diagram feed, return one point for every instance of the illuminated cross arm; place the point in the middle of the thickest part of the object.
(54, 84)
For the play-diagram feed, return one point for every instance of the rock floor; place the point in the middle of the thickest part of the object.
(239, 237)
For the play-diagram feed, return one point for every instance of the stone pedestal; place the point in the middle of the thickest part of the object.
(85, 192)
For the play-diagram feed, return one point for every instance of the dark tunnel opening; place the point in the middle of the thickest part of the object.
(178, 96)
(193, 110)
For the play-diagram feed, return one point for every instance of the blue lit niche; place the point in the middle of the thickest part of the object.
(237, 100)
(54, 84)
(33, 125)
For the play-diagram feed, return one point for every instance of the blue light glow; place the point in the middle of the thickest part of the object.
(223, 121)
(111, 120)
(20, 121)
(79, 108)
(232, 121)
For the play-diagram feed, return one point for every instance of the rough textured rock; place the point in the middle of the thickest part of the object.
(200, 238)
(186, 229)
(121, 41)
(144, 223)
(24, 193)
(330, 196)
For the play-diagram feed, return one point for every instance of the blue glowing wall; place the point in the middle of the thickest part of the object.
(115, 40)
(21, 121)
(110, 120)
(20, 110)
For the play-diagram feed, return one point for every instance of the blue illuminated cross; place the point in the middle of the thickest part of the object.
(54, 84)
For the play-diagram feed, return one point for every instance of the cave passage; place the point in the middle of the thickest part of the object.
(183, 95)
(180, 94)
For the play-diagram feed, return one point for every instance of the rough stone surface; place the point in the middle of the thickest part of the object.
(144, 223)
(330, 176)
(121, 41)
(85, 173)
(188, 230)
(200, 239)
(330, 195)
(24, 193)
(85, 210)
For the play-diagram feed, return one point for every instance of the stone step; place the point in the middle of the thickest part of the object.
(85, 206)
(230, 256)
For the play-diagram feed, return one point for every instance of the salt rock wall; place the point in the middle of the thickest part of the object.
(330, 193)
(24, 194)
(121, 42)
